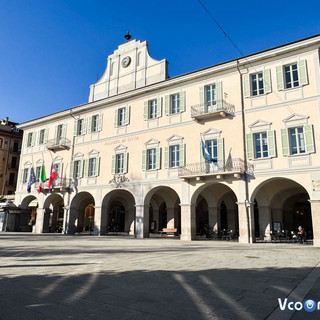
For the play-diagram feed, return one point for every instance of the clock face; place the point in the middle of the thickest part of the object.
(125, 61)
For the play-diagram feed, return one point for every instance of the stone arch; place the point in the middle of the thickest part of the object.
(53, 213)
(24, 220)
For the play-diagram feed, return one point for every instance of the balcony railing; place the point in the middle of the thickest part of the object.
(60, 184)
(218, 107)
(58, 144)
(234, 167)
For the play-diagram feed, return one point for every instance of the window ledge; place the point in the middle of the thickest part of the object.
(258, 96)
(294, 88)
(299, 154)
(265, 158)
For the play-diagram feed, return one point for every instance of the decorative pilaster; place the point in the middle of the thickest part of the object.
(188, 222)
(142, 221)
(246, 222)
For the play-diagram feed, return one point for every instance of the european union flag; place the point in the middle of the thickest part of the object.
(32, 180)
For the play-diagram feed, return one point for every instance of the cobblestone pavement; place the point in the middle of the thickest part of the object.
(50, 277)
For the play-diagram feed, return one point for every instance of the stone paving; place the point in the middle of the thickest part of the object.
(51, 277)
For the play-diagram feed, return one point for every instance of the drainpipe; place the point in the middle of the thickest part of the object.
(245, 155)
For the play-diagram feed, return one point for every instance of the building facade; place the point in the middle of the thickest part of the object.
(131, 160)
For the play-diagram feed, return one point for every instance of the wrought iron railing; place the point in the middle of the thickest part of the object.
(57, 183)
(58, 143)
(216, 106)
(236, 165)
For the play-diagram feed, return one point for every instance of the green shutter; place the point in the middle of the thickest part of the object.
(71, 169)
(144, 165)
(100, 122)
(182, 101)
(166, 157)
(280, 79)
(219, 95)
(84, 127)
(285, 142)
(125, 163)
(167, 105)
(86, 167)
(113, 165)
(146, 110)
(158, 157)
(64, 131)
(202, 160)
(75, 127)
(127, 119)
(46, 132)
(33, 140)
(116, 114)
(182, 155)
(56, 134)
(220, 151)
(267, 81)
(302, 72)
(250, 147)
(201, 95)
(81, 169)
(89, 124)
(246, 85)
(308, 131)
(97, 169)
(271, 143)
(159, 108)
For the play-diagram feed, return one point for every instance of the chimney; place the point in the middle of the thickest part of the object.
(7, 121)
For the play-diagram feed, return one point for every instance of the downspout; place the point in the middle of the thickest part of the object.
(245, 157)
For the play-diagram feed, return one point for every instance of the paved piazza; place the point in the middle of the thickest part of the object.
(51, 277)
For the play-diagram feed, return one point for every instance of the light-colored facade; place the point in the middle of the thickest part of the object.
(131, 159)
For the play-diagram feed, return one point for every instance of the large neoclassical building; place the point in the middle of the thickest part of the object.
(131, 159)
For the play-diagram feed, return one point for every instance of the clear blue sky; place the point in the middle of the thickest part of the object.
(51, 51)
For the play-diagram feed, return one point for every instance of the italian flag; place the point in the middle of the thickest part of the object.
(43, 178)
(53, 175)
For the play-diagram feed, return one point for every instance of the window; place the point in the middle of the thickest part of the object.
(92, 167)
(30, 139)
(175, 103)
(42, 136)
(297, 140)
(76, 169)
(38, 172)
(212, 147)
(261, 145)
(119, 163)
(14, 162)
(152, 109)
(59, 134)
(58, 167)
(95, 123)
(151, 159)
(121, 117)
(25, 175)
(11, 179)
(79, 127)
(15, 146)
(210, 95)
(291, 76)
(174, 156)
(257, 86)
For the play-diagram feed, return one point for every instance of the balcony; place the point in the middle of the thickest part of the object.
(60, 184)
(58, 144)
(219, 108)
(199, 171)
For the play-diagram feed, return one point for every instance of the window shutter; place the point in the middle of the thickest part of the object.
(250, 147)
(302, 72)
(201, 95)
(308, 132)
(39, 135)
(86, 167)
(220, 151)
(89, 124)
(202, 159)
(159, 108)
(81, 169)
(71, 170)
(60, 170)
(21, 176)
(33, 140)
(166, 157)
(100, 122)
(271, 143)
(146, 111)
(280, 80)
(182, 155)
(127, 120)
(125, 163)
(246, 85)
(84, 128)
(116, 114)
(25, 137)
(267, 81)
(75, 127)
(56, 134)
(113, 166)
(64, 130)
(158, 157)
(219, 95)
(46, 132)
(182, 101)
(285, 142)
(144, 164)
(97, 169)
(167, 105)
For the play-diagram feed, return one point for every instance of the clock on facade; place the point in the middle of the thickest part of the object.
(125, 61)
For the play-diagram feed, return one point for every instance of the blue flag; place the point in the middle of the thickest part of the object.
(206, 154)
(32, 180)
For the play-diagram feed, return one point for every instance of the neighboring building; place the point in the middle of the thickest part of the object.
(131, 159)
